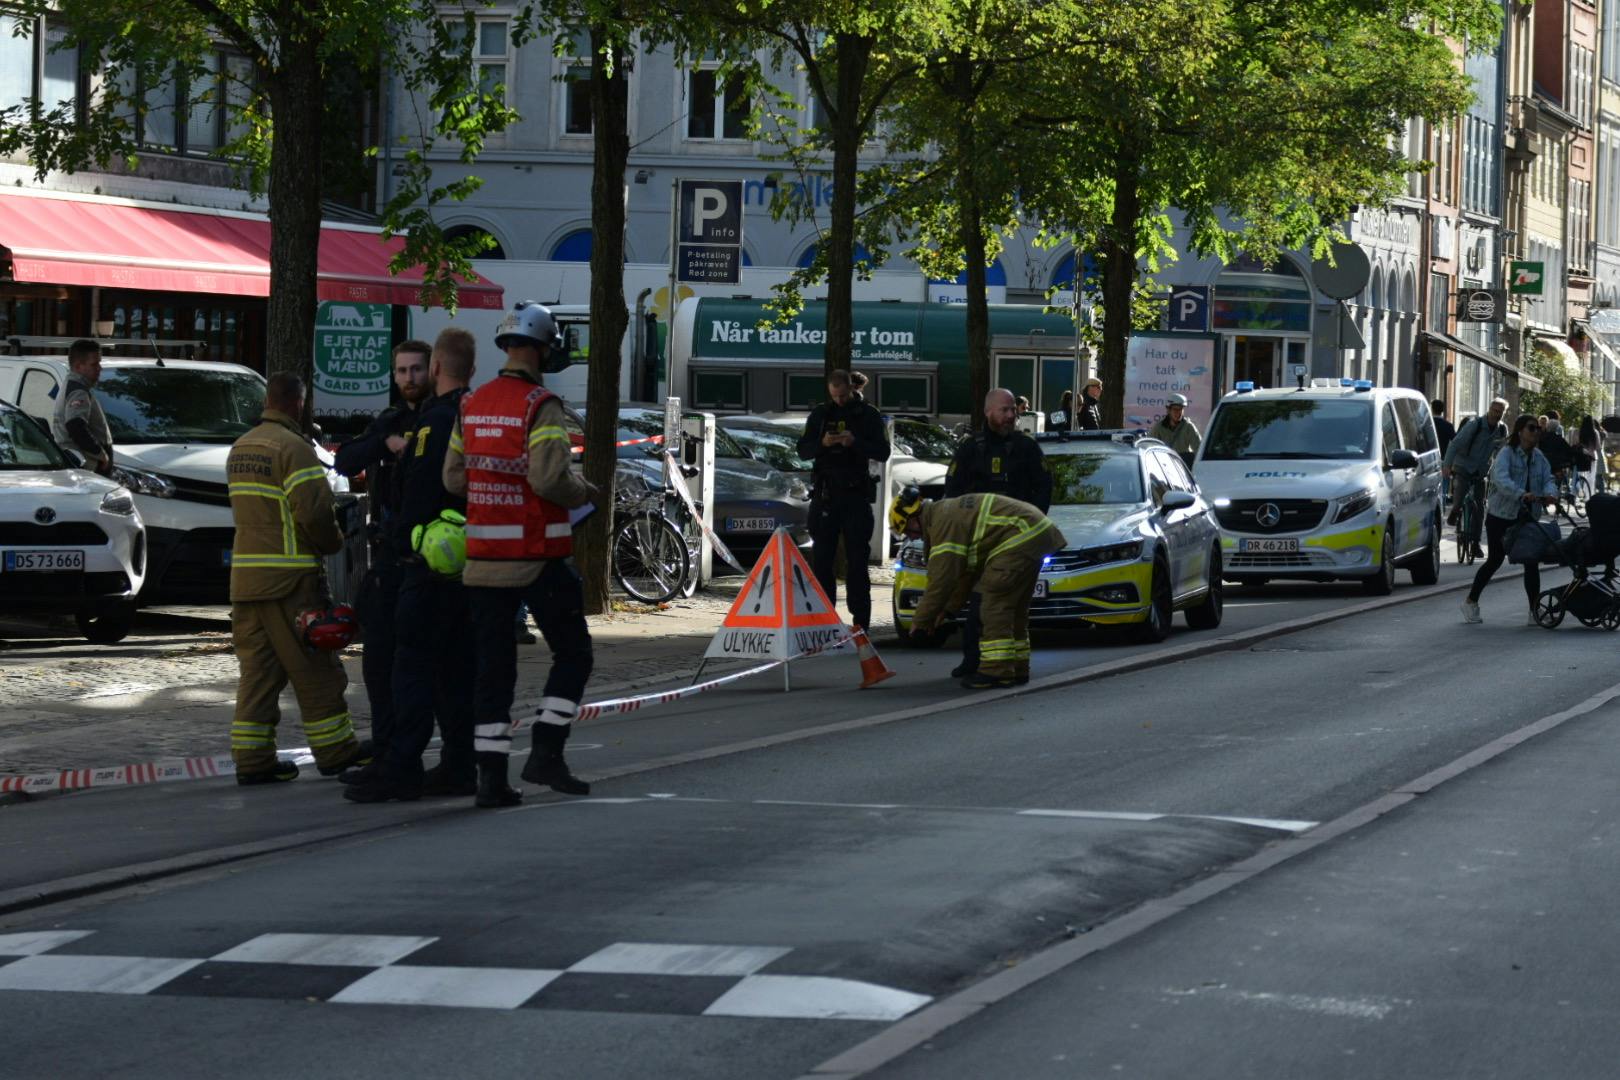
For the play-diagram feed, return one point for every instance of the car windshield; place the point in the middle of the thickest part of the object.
(176, 404)
(1094, 479)
(924, 441)
(1290, 429)
(777, 448)
(24, 444)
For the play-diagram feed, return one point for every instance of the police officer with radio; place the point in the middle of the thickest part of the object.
(376, 453)
(510, 456)
(844, 437)
(999, 460)
(434, 655)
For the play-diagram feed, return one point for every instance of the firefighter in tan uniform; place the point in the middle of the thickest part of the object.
(986, 543)
(283, 511)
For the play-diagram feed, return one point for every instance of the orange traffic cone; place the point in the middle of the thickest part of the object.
(873, 669)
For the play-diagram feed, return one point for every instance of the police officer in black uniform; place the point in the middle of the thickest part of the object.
(844, 436)
(1000, 460)
(434, 653)
(376, 453)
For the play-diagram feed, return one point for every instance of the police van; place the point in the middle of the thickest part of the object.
(1336, 480)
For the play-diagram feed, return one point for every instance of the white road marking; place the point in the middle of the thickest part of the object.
(458, 987)
(33, 944)
(832, 805)
(336, 950)
(92, 974)
(815, 997)
(1281, 825)
(117, 690)
(633, 958)
(1106, 815)
(1363, 1008)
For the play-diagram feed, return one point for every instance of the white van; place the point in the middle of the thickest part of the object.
(1335, 480)
(172, 422)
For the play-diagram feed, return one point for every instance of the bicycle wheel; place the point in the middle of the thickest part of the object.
(1582, 492)
(650, 559)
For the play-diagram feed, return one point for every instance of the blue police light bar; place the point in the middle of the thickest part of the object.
(1243, 387)
(1347, 383)
(1363, 385)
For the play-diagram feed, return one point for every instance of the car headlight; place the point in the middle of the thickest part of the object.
(1127, 552)
(1356, 503)
(142, 482)
(912, 555)
(118, 501)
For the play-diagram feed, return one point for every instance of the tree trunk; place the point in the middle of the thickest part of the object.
(1119, 281)
(610, 120)
(971, 227)
(854, 58)
(296, 102)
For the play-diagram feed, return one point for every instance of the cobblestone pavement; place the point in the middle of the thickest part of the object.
(168, 689)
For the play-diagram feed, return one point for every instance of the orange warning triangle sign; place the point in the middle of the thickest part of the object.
(780, 600)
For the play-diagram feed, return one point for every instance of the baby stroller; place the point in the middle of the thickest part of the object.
(1595, 601)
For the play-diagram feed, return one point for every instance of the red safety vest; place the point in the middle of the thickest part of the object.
(505, 518)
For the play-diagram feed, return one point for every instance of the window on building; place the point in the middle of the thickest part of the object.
(185, 115)
(716, 108)
(1412, 149)
(202, 119)
(36, 64)
(490, 53)
(1582, 63)
(575, 62)
(1580, 221)
(575, 247)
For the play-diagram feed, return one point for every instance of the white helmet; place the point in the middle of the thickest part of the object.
(1177, 399)
(532, 323)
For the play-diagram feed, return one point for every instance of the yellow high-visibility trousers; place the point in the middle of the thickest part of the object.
(1006, 589)
(270, 655)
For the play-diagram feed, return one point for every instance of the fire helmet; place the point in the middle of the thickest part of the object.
(442, 543)
(907, 505)
(329, 628)
(530, 323)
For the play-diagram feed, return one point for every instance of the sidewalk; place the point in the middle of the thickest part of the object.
(1466, 934)
(65, 704)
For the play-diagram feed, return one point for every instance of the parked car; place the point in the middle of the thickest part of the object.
(172, 423)
(1143, 542)
(1325, 482)
(71, 542)
(771, 434)
(751, 499)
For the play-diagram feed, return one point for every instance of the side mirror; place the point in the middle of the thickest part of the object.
(1178, 500)
(1402, 459)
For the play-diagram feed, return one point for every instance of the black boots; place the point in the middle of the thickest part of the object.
(546, 766)
(493, 790)
(278, 773)
(442, 780)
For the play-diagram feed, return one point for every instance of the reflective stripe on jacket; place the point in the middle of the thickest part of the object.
(966, 534)
(506, 520)
(282, 507)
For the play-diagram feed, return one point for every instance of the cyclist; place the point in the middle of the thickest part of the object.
(1467, 461)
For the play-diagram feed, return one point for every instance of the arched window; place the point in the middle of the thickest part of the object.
(575, 247)
(808, 256)
(1252, 296)
(456, 232)
(1063, 273)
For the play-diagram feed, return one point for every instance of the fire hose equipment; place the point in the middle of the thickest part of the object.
(329, 628)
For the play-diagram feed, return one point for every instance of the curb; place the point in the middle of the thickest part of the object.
(51, 892)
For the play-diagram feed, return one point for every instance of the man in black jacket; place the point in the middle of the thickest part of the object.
(377, 454)
(433, 654)
(999, 460)
(844, 437)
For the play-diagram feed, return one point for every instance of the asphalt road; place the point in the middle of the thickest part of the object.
(755, 913)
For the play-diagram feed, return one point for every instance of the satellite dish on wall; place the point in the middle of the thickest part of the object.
(1347, 275)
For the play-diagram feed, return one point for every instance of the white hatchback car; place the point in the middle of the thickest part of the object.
(71, 542)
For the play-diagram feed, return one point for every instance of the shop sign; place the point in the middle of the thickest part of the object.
(733, 331)
(1526, 278)
(1481, 305)
(353, 355)
(1157, 366)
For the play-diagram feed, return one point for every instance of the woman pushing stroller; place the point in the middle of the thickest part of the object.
(1521, 483)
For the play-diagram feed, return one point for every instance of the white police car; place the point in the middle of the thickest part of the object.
(70, 541)
(1336, 480)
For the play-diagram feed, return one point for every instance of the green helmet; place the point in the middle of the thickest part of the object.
(442, 543)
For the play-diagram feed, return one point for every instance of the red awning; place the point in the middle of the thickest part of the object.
(122, 245)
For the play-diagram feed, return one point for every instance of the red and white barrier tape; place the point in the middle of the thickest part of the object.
(685, 493)
(202, 768)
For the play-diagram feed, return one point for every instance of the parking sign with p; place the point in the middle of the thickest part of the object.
(708, 233)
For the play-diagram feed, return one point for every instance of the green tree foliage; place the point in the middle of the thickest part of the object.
(1263, 123)
(1572, 393)
(292, 102)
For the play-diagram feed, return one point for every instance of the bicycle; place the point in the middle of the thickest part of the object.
(1469, 519)
(650, 558)
(1574, 489)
